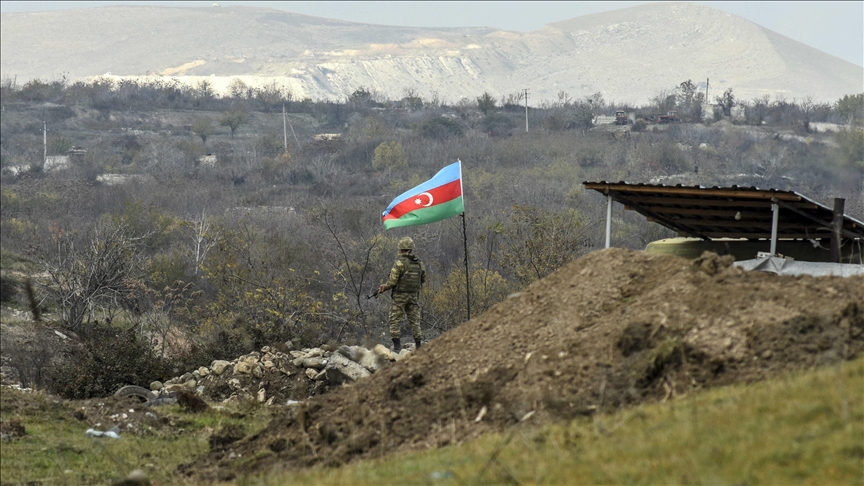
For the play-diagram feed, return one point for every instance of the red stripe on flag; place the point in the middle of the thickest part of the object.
(440, 195)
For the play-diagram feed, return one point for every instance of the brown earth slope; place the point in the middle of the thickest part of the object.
(612, 329)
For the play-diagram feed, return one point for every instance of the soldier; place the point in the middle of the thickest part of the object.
(406, 278)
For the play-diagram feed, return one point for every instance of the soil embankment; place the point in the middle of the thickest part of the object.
(612, 329)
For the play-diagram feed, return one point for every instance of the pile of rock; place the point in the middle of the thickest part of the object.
(276, 377)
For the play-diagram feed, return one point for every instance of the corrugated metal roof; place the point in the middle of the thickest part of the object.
(728, 212)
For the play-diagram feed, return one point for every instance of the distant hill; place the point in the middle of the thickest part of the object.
(627, 55)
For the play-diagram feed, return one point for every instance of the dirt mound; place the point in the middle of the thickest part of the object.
(612, 329)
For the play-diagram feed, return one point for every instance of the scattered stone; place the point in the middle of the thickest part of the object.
(384, 352)
(314, 362)
(285, 371)
(257, 370)
(342, 369)
(372, 361)
(350, 352)
(219, 366)
(135, 478)
(112, 433)
(156, 386)
(172, 388)
(243, 367)
(346, 364)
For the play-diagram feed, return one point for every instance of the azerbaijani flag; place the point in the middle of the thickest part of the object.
(438, 198)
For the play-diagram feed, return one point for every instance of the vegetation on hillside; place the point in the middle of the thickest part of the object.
(143, 239)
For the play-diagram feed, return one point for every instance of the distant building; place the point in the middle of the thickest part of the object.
(56, 162)
(708, 110)
(14, 170)
(208, 160)
(76, 152)
(327, 137)
(603, 120)
(120, 179)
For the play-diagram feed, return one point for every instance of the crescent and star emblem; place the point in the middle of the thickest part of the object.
(419, 200)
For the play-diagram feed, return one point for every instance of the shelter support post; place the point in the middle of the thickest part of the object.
(837, 228)
(775, 210)
(608, 220)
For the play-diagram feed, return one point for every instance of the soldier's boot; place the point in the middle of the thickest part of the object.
(397, 345)
(417, 342)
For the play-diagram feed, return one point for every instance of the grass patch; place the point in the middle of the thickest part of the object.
(13, 262)
(800, 429)
(55, 449)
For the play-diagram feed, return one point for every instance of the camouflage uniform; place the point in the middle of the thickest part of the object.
(406, 277)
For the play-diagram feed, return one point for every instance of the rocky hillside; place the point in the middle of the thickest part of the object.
(627, 55)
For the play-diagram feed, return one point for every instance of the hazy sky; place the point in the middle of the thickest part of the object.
(836, 28)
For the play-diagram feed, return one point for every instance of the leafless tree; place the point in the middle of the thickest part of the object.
(166, 310)
(203, 236)
(83, 275)
(352, 264)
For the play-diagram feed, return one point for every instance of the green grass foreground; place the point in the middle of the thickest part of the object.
(56, 450)
(807, 428)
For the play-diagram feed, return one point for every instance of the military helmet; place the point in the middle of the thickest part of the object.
(406, 244)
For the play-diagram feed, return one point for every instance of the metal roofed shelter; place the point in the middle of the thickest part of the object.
(712, 213)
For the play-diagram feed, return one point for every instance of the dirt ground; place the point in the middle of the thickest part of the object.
(612, 329)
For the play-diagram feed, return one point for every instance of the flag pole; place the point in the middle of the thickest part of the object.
(467, 279)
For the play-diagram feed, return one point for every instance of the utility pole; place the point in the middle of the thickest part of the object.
(44, 144)
(706, 90)
(526, 110)
(284, 129)
(285, 133)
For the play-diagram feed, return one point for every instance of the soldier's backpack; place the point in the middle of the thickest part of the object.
(412, 278)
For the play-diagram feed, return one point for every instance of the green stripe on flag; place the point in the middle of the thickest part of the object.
(428, 215)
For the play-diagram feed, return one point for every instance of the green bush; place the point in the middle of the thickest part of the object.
(441, 129)
(224, 344)
(639, 126)
(104, 361)
(498, 125)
